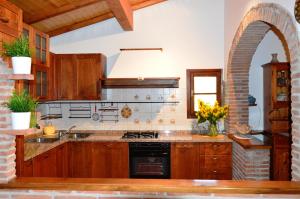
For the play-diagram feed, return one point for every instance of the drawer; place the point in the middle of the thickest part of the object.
(217, 148)
(217, 161)
(217, 174)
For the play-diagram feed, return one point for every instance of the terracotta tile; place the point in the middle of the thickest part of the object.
(75, 197)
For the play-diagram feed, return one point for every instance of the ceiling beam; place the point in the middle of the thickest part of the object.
(60, 10)
(96, 19)
(123, 13)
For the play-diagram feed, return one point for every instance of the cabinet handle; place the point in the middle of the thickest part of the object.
(4, 19)
(108, 145)
(215, 158)
(214, 171)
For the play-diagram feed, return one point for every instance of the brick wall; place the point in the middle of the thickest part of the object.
(250, 164)
(251, 31)
(7, 142)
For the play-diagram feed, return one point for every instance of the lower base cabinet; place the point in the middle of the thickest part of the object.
(111, 160)
(201, 161)
(81, 160)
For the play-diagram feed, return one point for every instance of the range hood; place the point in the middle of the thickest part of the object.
(141, 68)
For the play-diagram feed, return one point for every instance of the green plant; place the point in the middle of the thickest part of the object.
(21, 102)
(18, 48)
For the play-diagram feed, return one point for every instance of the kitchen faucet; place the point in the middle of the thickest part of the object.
(69, 130)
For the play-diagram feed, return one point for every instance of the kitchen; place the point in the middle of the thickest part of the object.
(135, 100)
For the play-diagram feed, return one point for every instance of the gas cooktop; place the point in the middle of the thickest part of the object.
(140, 135)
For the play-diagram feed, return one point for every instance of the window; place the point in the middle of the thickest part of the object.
(204, 84)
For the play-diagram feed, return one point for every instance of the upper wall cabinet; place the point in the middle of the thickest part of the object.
(10, 23)
(77, 76)
(39, 44)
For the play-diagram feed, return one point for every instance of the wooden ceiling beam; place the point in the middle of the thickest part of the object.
(61, 10)
(123, 13)
(99, 18)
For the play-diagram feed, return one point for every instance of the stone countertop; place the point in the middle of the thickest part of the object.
(33, 149)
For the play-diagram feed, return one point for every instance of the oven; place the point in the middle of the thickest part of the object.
(149, 160)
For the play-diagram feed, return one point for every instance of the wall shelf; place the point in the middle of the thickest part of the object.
(17, 76)
(168, 82)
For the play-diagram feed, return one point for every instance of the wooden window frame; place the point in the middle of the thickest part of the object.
(190, 74)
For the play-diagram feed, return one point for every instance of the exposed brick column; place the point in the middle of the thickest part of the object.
(250, 32)
(7, 142)
(250, 164)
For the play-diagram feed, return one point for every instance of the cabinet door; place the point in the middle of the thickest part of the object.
(281, 164)
(11, 19)
(41, 82)
(62, 160)
(118, 159)
(88, 73)
(41, 46)
(65, 77)
(110, 160)
(185, 160)
(28, 168)
(81, 159)
(44, 165)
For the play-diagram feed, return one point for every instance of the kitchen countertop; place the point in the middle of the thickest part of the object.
(33, 149)
(163, 186)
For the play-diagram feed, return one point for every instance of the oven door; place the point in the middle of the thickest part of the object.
(149, 163)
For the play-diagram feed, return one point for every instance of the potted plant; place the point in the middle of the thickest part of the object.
(21, 105)
(212, 114)
(19, 51)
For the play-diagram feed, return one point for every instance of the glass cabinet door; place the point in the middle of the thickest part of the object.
(282, 86)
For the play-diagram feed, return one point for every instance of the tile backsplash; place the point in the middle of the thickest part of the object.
(152, 109)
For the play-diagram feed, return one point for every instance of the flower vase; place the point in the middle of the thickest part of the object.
(213, 130)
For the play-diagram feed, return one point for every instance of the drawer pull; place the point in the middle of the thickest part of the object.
(214, 171)
(215, 158)
(4, 19)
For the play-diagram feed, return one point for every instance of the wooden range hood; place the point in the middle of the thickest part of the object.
(162, 82)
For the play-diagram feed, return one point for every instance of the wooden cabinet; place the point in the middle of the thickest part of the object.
(277, 94)
(44, 165)
(281, 157)
(39, 44)
(217, 162)
(41, 82)
(185, 160)
(62, 163)
(80, 164)
(27, 168)
(77, 76)
(10, 24)
(99, 160)
(201, 161)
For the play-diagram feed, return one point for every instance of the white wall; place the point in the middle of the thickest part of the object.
(269, 45)
(191, 33)
(235, 10)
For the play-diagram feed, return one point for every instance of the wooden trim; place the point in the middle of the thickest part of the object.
(123, 12)
(190, 74)
(19, 154)
(171, 82)
(155, 185)
(64, 9)
(137, 49)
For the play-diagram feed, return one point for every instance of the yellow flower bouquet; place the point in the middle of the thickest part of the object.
(212, 114)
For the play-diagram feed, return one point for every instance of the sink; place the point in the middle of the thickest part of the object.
(41, 140)
(78, 135)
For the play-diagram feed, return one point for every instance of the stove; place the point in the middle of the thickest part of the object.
(140, 135)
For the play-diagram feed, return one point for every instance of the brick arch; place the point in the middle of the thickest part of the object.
(257, 22)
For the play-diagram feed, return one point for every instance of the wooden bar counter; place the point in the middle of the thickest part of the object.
(160, 187)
